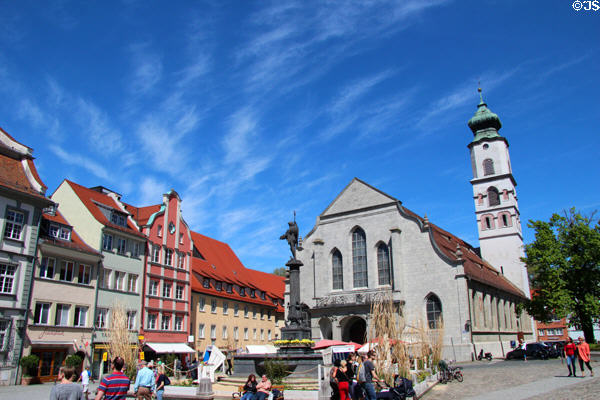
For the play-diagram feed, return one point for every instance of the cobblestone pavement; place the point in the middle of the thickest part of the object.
(513, 380)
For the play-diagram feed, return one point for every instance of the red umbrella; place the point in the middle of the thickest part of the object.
(356, 345)
(324, 343)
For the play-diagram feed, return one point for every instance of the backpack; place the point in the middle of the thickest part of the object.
(361, 376)
(167, 380)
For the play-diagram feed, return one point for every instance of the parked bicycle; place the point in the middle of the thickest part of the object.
(448, 372)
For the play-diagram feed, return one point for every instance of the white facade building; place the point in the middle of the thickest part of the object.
(367, 242)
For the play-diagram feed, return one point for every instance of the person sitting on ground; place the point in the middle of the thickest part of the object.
(250, 388)
(263, 388)
(66, 390)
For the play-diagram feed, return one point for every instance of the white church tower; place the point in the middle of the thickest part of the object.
(496, 207)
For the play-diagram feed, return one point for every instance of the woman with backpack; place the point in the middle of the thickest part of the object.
(161, 381)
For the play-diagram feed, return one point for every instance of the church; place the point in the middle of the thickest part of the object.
(367, 242)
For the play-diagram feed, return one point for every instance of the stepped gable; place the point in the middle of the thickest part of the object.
(75, 242)
(89, 197)
(475, 267)
(17, 169)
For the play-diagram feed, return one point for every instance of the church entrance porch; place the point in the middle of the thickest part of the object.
(354, 329)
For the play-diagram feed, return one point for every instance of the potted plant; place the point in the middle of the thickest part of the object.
(29, 364)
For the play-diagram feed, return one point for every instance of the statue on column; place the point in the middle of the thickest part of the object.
(291, 235)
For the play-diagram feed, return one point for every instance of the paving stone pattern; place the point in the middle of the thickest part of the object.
(515, 380)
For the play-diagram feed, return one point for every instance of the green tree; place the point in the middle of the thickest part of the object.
(280, 271)
(564, 268)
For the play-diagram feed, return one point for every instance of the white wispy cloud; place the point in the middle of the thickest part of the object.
(236, 143)
(463, 94)
(354, 91)
(147, 69)
(151, 190)
(98, 128)
(79, 161)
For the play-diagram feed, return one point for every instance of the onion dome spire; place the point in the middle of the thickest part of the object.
(484, 124)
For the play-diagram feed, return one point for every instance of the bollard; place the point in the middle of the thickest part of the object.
(205, 391)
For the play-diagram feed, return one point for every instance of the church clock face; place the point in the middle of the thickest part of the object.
(171, 227)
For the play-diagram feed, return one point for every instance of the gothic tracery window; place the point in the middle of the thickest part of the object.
(434, 312)
(337, 270)
(359, 258)
(383, 265)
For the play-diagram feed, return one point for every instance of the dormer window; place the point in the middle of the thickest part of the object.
(262, 295)
(59, 232)
(242, 291)
(252, 293)
(118, 219)
(219, 286)
(229, 288)
(206, 283)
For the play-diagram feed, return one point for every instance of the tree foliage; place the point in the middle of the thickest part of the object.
(280, 271)
(564, 268)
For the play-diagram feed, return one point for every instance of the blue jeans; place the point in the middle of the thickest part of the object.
(369, 391)
(248, 396)
(261, 396)
(159, 394)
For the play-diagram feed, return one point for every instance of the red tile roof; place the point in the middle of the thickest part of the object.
(89, 197)
(475, 267)
(13, 174)
(142, 214)
(222, 264)
(75, 242)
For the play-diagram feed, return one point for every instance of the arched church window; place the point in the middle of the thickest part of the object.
(493, 196)
(359, 258)
(488, 167)
(383, 264)
(337, 270)
(434, 312)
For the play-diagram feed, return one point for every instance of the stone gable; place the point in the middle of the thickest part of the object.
(356, 196)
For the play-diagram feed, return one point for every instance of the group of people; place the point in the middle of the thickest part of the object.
(149, 381)
(67, 389)
(581, 351)
(254, 390)
(353, 378)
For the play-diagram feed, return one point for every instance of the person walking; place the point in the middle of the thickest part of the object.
(583, 353)
(84, 377)
(344, 377)
(144, 384)
(161, 382)
(263, 388)
(116, 385)
(370, 376)
(66, 389)
(570, 350)
(352, 365)
(250, 388)
(333, 381)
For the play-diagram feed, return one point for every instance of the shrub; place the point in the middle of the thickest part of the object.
(29, 364)
(276, 370)
(73, 361)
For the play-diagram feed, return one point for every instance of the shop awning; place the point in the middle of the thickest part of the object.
(170, 347)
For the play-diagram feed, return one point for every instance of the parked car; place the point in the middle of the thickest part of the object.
(533, 350)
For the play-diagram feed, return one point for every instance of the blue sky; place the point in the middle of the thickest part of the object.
(253, 109)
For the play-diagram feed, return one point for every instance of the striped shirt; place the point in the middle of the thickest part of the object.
(115, 386)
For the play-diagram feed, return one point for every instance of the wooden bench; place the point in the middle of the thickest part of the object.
(238, 394)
